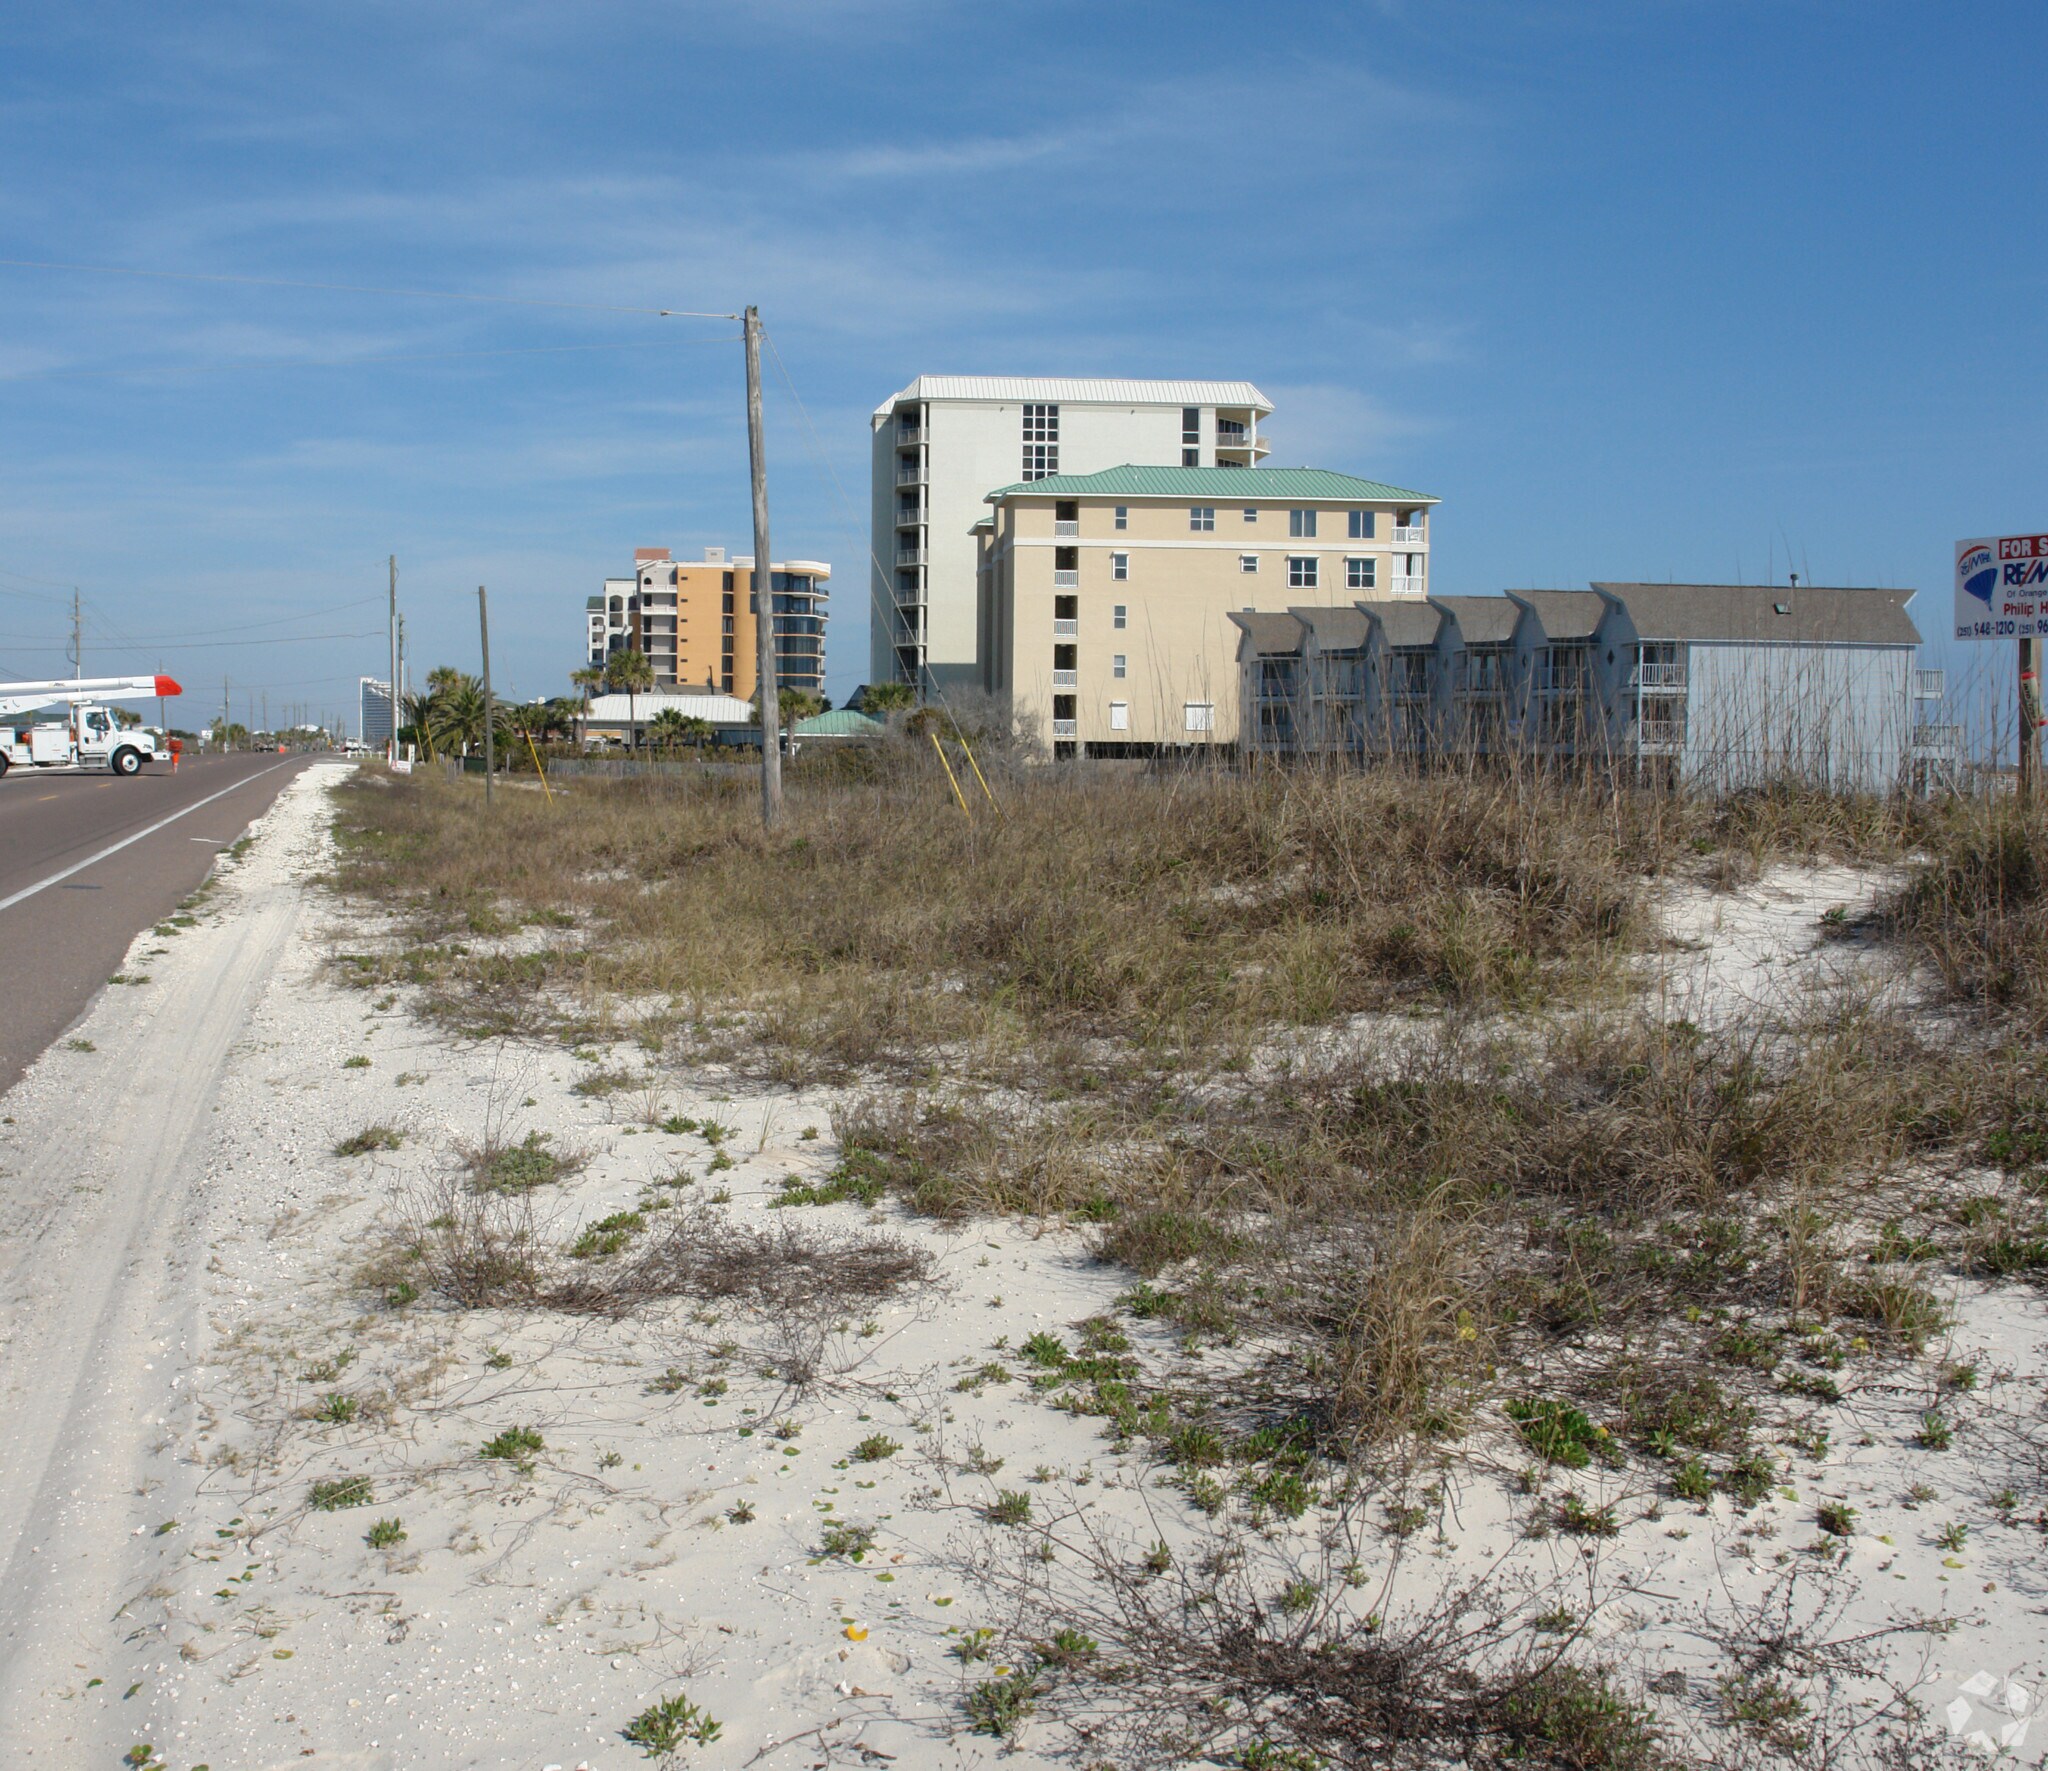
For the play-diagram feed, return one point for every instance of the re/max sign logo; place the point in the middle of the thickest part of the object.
(2017, 574)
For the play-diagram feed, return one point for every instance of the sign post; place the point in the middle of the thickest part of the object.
(2002, 593)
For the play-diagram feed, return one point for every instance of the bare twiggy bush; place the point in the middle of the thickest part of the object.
(1242, 1656)
(477, 1247)
(787, 1269)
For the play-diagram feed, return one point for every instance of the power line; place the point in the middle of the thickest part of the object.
(588, 307)
(204, 633)
(121, 644)
(539, 350)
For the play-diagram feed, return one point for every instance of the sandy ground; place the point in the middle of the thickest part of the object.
(180, 1259)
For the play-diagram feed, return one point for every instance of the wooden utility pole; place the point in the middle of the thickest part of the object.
(764, 589)
(483, 621)
(2030, 719)
(77, 641)
(391, 745)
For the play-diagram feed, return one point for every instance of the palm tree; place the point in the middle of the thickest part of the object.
(629, 673)
(883, 699)
(591, 676)
(798, 704)
(420, 711)
(665, 730)
(457, 714)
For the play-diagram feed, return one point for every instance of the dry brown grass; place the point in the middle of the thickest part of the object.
(1978, 908)
(1176, 912)
(1117, 955)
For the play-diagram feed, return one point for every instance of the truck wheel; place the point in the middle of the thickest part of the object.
(3, 765)
(127, 761)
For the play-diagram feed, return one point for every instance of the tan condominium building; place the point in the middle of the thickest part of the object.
(1105, 599)
(694, 619)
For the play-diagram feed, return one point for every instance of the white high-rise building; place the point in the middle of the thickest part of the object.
(947, 441)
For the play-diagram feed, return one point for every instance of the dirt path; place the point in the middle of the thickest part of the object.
(102, 1202)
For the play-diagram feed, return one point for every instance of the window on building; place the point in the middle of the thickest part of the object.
(1301, 572)
(1119, 566)
(1120, 616)
(1191, 458)
(1361, 574)
(1247, 562)
(1041, 441)
(1251, 514)
(1064, 510)
(1117, 665)
(1191, 424)
(1202, 518)
(1302, 523)
(1123, 516)
(1119, 716)
(1199, 716)
(1361, 525)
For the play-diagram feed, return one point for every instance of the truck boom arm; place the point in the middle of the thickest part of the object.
(25, 697)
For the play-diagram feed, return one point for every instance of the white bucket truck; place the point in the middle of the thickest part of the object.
(88, 736)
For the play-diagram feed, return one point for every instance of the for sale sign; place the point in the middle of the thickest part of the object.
(2002, 588)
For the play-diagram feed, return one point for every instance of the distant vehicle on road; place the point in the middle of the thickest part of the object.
(88, 736)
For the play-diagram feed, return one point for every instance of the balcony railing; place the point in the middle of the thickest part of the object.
(1062, 530)
(1066, 679)
(1932, 739)
(1660, 734)
(1066, 578)
(1409, 537)
(1065, 728)
(910, 517)
(1402, 585)
(1065, 627)
(910, 476)
(1929, 685)
(908, 436)
(1657, 676)
(910, 556)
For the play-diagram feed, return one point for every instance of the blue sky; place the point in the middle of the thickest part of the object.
(1659, 289)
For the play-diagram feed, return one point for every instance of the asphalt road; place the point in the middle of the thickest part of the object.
(68, 910)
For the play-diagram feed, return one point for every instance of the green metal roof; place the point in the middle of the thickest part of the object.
(1220, 485)
(841, 722)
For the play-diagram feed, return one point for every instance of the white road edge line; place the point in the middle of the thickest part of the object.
(116, 848)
